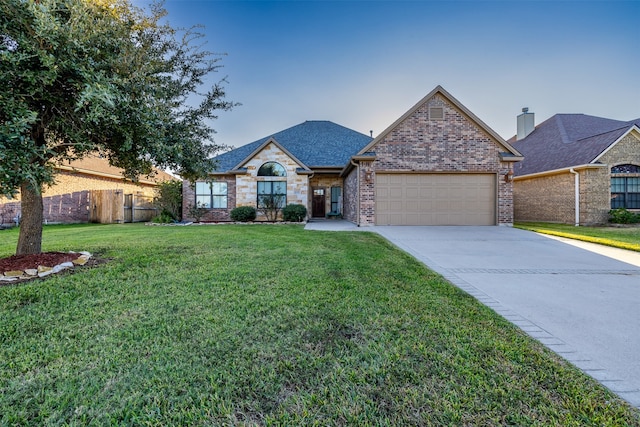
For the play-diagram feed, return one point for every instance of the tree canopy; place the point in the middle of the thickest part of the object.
(86, 76)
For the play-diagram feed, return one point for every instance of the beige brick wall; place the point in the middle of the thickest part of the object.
(549, 198)
(71, 182)
(552, 198)
(455, 144)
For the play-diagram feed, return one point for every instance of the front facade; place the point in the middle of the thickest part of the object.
(299, 165)
(438, 164)
(576, 169)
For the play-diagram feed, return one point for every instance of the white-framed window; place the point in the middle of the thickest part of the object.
(211, 195)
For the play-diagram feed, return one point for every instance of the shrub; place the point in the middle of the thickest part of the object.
(623, 216)
(164, 218)
(168, 199)
(294, 213)
(243, 213)
(197, 211)
(270, 205)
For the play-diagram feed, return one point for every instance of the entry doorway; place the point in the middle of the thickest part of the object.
(318, 202)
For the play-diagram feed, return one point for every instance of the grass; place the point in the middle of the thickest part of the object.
(270, 325)
(617, 237)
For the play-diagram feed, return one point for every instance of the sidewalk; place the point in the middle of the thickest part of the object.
(624, 255)
(321, 224)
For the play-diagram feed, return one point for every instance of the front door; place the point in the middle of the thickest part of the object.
(318, 203)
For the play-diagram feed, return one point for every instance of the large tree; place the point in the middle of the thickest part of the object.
(86, 76)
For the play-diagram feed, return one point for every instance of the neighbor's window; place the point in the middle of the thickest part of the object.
(272, 169)
(272, 192)
(625, 187)
(211, 195)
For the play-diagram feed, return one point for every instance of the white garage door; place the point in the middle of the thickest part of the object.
(435, 199)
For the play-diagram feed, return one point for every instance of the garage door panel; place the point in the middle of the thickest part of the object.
(435, 199)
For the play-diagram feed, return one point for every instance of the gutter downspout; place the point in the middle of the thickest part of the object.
(357, 191)
(576, 186)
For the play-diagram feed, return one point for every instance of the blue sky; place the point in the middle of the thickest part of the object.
(362, 64)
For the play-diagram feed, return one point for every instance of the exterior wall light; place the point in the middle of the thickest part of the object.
(368, 176)
(508, 177)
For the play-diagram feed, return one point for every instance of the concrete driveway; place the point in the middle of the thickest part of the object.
(583, 305)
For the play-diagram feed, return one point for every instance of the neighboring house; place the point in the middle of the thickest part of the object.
(88, 186)
(576, 168)
(438, 164)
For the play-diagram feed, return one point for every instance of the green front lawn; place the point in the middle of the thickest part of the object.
(269, 325)
(618, 237)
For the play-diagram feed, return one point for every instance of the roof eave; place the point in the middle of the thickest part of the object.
(510, 157)
(357, 158)
(559, 171)
(326, 169)
(104, 175)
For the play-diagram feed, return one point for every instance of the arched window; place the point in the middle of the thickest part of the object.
(625, 186)
(272, 169)
(625, 169)
(272, 193)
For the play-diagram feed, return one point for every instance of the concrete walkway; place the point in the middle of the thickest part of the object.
(580, 300)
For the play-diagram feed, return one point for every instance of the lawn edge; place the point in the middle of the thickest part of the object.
(589, 239)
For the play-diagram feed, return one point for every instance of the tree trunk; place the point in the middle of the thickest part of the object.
(30, 239)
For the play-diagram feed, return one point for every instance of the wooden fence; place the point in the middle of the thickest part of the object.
(113, 206)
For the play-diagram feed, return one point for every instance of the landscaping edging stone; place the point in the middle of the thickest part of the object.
(43, 270)
(182, 224)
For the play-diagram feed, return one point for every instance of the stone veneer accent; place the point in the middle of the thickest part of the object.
(421, 144)
(551, 198)
(350, 197)
(247, 187)
(242, 188)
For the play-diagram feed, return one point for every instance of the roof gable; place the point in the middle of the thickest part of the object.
(510, 151)
(568, 140)
(311, 144)
(263, 146)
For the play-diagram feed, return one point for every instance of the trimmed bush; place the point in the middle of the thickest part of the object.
(164, 218)
(623, 216)
(294, 213)
(243, 213)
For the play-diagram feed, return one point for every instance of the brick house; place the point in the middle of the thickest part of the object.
(70, 199)
(438, 164)
(576, 168)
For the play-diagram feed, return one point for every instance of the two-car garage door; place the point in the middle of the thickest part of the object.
(435, 199)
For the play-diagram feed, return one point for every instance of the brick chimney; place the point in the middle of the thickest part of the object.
(526, 124)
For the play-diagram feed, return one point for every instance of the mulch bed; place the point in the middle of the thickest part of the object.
(48, 259)
(24, 262)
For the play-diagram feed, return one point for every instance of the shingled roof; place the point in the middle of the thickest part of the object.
(568, 140)
(314, 143)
